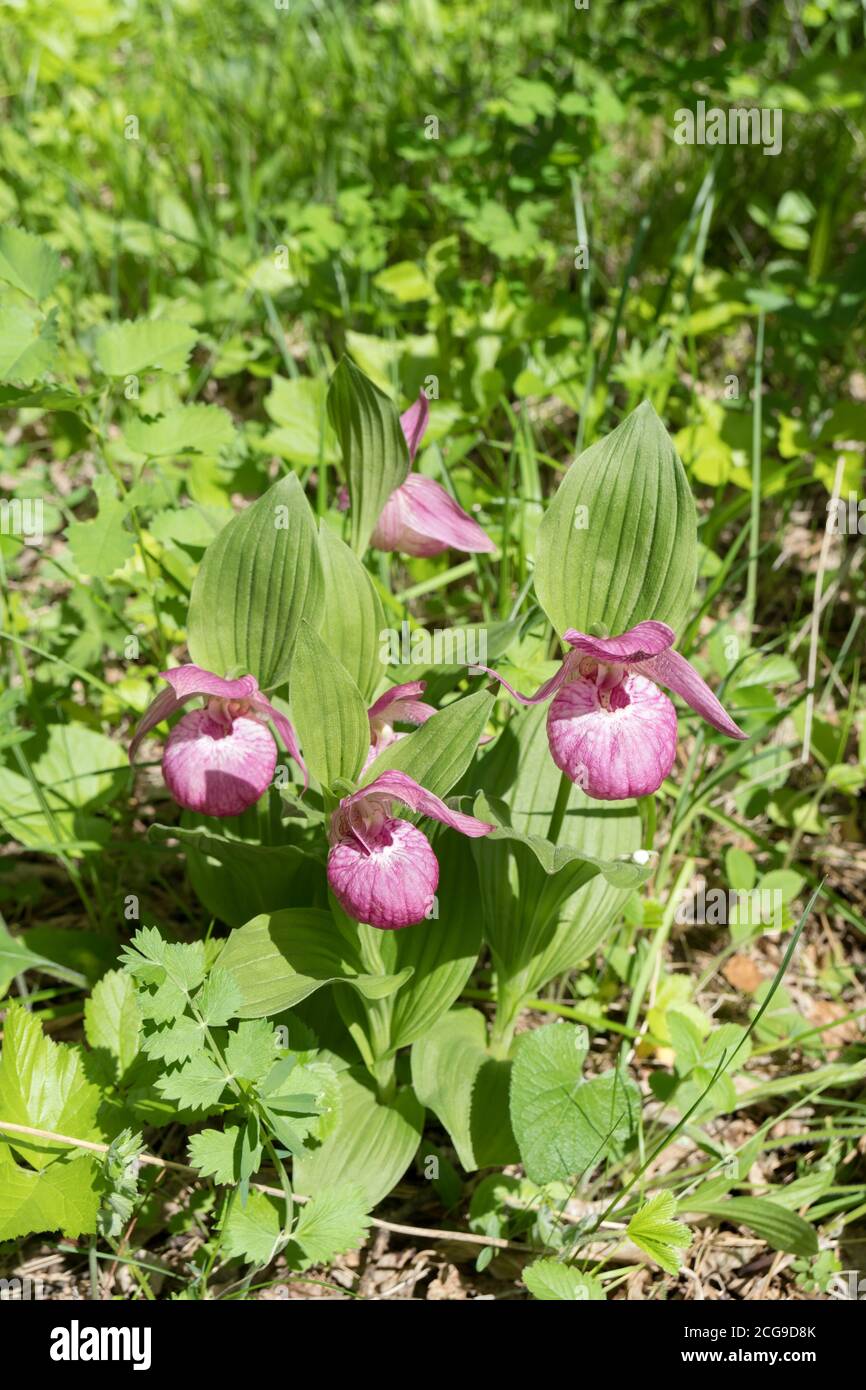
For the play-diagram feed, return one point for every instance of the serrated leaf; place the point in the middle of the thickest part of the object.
(218, 1153)
(62, 1197)
(42, 1085)
(549, 1280)
(375, 453)
(257, 580)
(102, 545)
(254, 1232)
(180, 1040)
(202, 429)
(219, 998)
(655, 1231)
(112, 1018)
(329, 715)
(618, 543)
(28, 263)
(197, 1085)
(564, 1123)
(250, 1050)
(125, 349)
(328, 1225)
(28, 343)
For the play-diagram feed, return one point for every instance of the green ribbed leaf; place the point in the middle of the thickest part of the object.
(783, 1230)
(354, 617)
(618, 543)
(438, 754)
(258, 579)
(329, 715)
(375, 452)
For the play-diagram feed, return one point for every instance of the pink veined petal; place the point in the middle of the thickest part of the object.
(671, 669)
(390, 880)
(397, 786)
(285, 731)
(414, 424)
(618, 752)
(638, 644)
(408, 691)
(214, 771)
(186, 682)
(431, 512)
(393, 532)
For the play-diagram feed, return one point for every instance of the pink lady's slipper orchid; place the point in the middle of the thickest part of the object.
(218, 760)
(420, 518)
(382, 870)
(400, 703)
(610, 728)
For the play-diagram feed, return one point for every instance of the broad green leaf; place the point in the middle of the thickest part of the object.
(196, 1085)
(42, 1084)
(303, 434)
(257, 580)
(404, 280)
(17, 956)
(539, 924)
(438, 754)
(627, 872)
(250, 1050)
(102, 545)
(441, 952)
(28, 263)
(79, 769)
(783, 1230)
(112, 1018)
(328, 1225)
(28, 343)
(354, 618)
(550, 1279)
(235, 879)
(454, 1076)
(125, 349)
(254, 1231)
(280, 959)
(375, 453)
(203, 429)
(655, 1231)
(41, 398)
(618, 544)
(62, 1197)
(371, 1146)
(328, 711)
(565, 1124)
(216, 1153)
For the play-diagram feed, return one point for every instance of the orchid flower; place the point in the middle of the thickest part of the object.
(610, 729)
(397, 703)
(420, 518)
(382, 870)
(218, 760)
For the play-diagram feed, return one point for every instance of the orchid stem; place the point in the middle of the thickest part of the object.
(559, 809)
